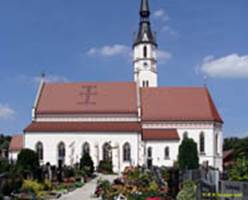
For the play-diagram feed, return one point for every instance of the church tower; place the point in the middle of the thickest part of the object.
(144, 51)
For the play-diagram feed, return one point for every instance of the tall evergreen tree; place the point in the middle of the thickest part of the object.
(188, 155)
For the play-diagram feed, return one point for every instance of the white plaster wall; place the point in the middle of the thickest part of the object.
(76, 140)
(193, 129)
(158, 152)
(13, 156)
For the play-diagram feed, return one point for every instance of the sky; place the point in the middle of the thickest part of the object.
(200, 42)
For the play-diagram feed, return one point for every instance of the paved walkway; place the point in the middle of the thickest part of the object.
(87, 191)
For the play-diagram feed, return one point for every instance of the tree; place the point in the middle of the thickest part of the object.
(239, 171)
(188, 155)
(87, 164)
(28, 160)
(239, 145)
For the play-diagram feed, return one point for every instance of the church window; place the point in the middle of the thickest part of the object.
(167, 152)
(126, 152)
(202, 143)
(39, 150)
(149, 152)
(107, 152)
(185, 135)
(147, 83)
(86, 148)
(216, 143)
(61, 151)
(145, 51)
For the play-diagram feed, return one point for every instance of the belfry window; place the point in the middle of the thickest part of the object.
(39, 150)
(126, 152)
(145, 51)
(202, 143)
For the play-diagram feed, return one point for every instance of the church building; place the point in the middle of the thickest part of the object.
(131, 123)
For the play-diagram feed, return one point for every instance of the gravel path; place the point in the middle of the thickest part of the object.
(87, 191)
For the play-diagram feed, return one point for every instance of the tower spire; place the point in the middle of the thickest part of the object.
(145, 34)
(144, 50)
(144, 8)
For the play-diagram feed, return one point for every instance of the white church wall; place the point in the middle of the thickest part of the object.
(13, 156)
(74, 142)
(158, 152)
(193, 130)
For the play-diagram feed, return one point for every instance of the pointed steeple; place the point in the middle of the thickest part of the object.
(145, 34)
(144, 8)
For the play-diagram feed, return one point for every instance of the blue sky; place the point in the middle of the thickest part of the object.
(90, 40)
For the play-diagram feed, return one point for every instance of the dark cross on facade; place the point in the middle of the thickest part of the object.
(88, 92)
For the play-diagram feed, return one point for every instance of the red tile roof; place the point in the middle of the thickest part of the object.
(16, 143)
(160, 134)
(178, 104)
(83, 127)
(74, 98)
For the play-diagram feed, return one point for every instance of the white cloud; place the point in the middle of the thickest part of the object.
(6, 112)
(163, 56)
(161, 14)
(110, 50)
(230, 66)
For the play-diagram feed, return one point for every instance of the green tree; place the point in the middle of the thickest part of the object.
(28, 160)
(188, 155)
(239, 171)
(87, 164)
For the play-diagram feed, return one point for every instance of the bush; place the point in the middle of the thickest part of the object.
(28, 160)
(87, 164)
(239, 171)
(188, 192)
(68, 172)
(33, 186)
(4, 166)
(188, 155)
(105, 167)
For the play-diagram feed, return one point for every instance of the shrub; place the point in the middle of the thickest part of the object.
(28, 160)
(188, 192)
(239, 171)
(188, 155)
(69, 172)
(33, 186)
(4, 166)
(105, 167)
(87, 164)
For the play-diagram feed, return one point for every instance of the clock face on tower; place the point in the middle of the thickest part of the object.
(146, 66)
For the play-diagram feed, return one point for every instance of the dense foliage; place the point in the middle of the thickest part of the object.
(239, 145)
(28, 160)
(239, 171)
(105, 167)
(188, 155)
(87, 164)
(4, 141)
(188, 192)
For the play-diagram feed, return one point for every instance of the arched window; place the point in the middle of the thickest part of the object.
(39, 150)
(86, 148)
(167, 152)
(126, 152)
(107, 152)
(147, 83)
(149, 152)
(216, 143)
(61, 152)
(145, 51)
(202, 143)
(185, 135)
